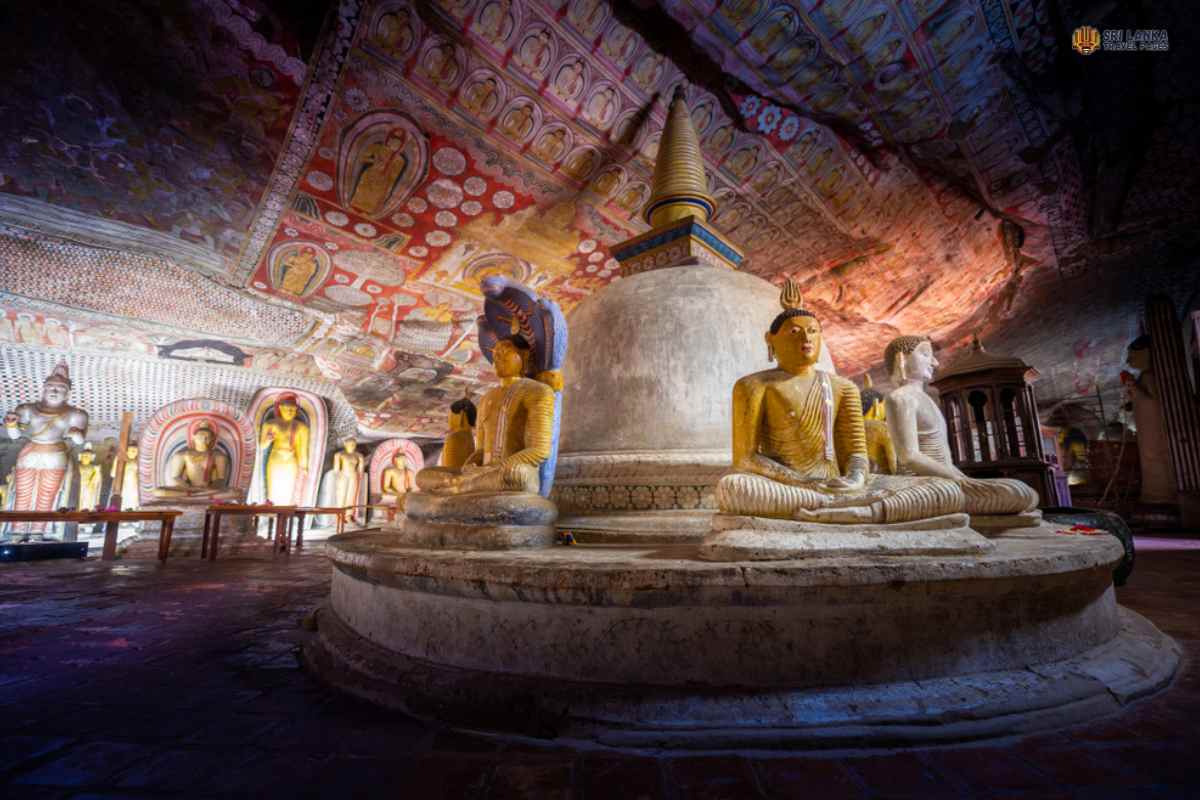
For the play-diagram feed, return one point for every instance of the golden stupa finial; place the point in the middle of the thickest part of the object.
(680, 184)
(790, 296)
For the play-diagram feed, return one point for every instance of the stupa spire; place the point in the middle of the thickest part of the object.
(680, 184)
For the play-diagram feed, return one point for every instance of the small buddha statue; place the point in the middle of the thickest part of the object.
(799, 444)
(460, 442)
(514, 435)
(129, 489)
(343, 485)
(90, 479)
(199, 470)
(283, 452)
(398, 479)
(880, 452)
(918, 431)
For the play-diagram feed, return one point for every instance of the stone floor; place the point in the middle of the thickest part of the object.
(132, 679)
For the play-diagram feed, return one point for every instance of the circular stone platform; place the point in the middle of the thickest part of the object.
(648, 647)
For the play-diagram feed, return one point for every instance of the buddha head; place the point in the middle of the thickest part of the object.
(350, 445)
(87, 456)
(202, 436)
(286, 407)
(57, 387)
(131, 452)
(400, 460)
(910, 358)
(872, 400)
(794, 339)
(511, 356)
(462, 414)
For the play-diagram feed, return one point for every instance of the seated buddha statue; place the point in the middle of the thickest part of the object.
(460, 441)
(397, 480)
(799, 445)
(514, 432)
(918, 431)
(199, 470)
(880, 452)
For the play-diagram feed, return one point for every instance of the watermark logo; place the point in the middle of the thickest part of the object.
(1085, 40)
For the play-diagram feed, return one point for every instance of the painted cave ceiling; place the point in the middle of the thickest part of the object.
(316, 188)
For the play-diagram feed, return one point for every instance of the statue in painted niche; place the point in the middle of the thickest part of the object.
(799, 445)
(344, 485)
(283, 443)
(918, 431)
(515, 440)
(880, 452)
(397, 480)
(460, 442)
(90, 479)
(41, 474)
(200, 469)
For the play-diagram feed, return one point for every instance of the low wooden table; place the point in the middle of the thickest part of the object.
(337, 512)
(212, 524)
(111, 519)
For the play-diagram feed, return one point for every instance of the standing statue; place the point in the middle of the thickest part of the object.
(460, 442)
(90, 479)
(42, 472)
(199, 469)
(799, 445)
(283, 453)
(505, 481)
(129, 489)
(344, 485)
(918, 430)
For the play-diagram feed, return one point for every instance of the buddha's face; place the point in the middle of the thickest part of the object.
(508, 360)
(202, 439)
(920, 363)
(54, 393)
(350, 445)
(287, 411)
(87, 457)
(1139, 359)
(797, 343)
(399, 461)
(131, 453)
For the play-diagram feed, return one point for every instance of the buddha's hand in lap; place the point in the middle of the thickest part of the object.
(852, 482)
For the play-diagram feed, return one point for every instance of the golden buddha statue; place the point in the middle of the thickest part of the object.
(90, 479)
(198, 470)
(799, 444)
(460, 442)
(880, 453)
(130, 488)
(514, 434)
(918, 431)
(284, 440)
(397, 480)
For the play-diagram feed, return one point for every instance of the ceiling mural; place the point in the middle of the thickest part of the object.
(898, 159)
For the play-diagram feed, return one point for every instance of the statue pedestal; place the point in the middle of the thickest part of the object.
(736, 538)
(651, 647)
(485, 521)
